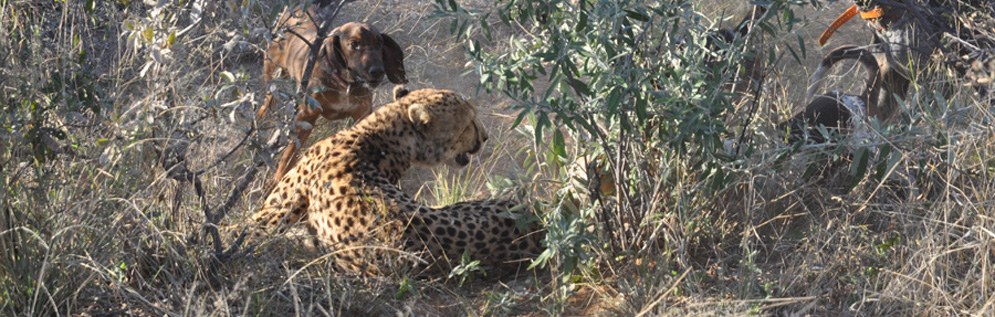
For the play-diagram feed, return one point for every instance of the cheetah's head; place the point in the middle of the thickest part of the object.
(448, 126)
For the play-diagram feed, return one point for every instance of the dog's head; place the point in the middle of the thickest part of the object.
(361, 55)
(833, 111)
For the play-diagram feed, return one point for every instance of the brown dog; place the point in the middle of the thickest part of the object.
(837, 110)
(354, 59)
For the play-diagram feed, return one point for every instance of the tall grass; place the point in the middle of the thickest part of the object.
(127, 132)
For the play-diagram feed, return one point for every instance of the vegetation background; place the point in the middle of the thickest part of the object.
(127, 136)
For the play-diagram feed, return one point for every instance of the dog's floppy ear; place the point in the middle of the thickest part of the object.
(333, 46)
(393, 60)
(419, 113)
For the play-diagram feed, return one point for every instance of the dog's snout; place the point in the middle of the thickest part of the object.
(377, 72)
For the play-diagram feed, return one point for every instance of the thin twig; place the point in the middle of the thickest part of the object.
(247, 178)
(230, 152)
(757, 89)
(663, 295)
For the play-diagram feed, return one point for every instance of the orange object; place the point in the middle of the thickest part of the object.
(873, 14)
(840, 21)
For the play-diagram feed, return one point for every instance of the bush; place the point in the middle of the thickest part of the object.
(642, 90)
(646, 97)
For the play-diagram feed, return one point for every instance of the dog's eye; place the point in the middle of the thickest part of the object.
(354, 45)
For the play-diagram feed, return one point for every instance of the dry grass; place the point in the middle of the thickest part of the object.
(103, 223)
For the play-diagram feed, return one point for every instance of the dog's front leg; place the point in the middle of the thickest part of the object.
(306, 114)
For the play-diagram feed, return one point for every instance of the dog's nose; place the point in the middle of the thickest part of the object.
(377, 72)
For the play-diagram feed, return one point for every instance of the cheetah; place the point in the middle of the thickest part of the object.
(343, 193)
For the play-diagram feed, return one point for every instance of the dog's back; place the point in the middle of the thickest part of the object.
(842, 53)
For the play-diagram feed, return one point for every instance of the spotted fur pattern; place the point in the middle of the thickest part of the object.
(343, 193)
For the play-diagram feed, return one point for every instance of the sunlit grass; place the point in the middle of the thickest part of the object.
(97, 222)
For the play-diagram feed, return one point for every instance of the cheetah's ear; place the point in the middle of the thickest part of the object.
(419, 113)
(400, 91)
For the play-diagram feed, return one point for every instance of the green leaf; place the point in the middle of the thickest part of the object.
(518, 119)
(486, 27)
(883, 162)
(312, 103)
(793, 54)
(613, 101)
(811, 169)
(559, 145)
(148, 34)
(579, 87)
(171, 39)
(641, 114)
(801, 44)
(540, 125)
(719, 181)
(638, 16)
(540, 261)
(403, 289)
(789, 16)
(859, 167)
(582, 23)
